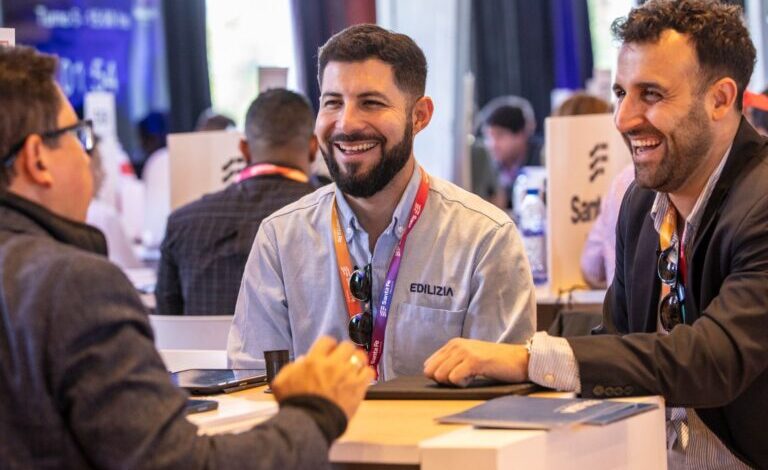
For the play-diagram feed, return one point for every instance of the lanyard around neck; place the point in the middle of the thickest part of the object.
(262, 169)
(345, 268)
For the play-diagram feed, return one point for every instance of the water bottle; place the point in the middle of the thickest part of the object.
(533, 225)
(518, 193)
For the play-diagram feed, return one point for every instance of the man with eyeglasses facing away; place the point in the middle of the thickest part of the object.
(394, 258)
(688, 307)
(81, 384)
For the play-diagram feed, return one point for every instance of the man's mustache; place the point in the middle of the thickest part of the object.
(355, 137)
(652, 131)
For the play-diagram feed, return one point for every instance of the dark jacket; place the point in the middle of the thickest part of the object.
(718, 362)
(208, 241)
(81, 384)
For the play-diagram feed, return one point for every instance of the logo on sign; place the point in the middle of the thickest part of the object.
(587, 210)
(598, 157)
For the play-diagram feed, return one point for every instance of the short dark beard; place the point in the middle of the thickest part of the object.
(368, 184)
(687, 147)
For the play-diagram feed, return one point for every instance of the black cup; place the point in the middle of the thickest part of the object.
(275, 360)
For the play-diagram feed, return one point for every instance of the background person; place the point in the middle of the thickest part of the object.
(104, 217)
(207, 242)
(507, 125)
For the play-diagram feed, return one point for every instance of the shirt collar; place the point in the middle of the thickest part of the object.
(661, 203)
(399, 217)
(61, 229)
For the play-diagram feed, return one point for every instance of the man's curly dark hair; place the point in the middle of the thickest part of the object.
(716, 31)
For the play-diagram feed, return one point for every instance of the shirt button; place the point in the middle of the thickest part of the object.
(350, 232)
(628, 390)
(598, 390)
(399, 230)
(549, 379)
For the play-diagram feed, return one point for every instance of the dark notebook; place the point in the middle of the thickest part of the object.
(422, 388)
(545, 413)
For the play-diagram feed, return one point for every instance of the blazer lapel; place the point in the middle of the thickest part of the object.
(746, 145)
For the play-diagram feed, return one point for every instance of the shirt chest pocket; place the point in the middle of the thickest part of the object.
(417, 332)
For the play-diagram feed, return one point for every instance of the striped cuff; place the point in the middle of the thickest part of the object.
(552, 363)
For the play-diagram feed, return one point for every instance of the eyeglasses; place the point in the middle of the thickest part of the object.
(83, 130)
(672, 308)
(361, 325)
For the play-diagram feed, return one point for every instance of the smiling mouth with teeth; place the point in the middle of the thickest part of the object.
(352, 149)
(644, 145)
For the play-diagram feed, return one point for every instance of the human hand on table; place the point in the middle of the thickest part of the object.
(338, 372)
(460, 360)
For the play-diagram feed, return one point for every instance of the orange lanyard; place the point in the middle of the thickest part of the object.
(344, 263)
(261, 169)
(343, 258)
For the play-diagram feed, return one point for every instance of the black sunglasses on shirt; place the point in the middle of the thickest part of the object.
(361, 325)
(672, 306)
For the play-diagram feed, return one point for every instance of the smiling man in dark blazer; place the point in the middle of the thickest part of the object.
(687, 311)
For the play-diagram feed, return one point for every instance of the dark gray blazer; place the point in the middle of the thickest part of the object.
(718, 362)
(81, 384)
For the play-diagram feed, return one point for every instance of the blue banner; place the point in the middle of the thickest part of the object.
(91, 37)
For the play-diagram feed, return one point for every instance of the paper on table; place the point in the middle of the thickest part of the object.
(232, 411)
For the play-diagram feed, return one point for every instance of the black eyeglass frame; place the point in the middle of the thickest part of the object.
(83, 131)
(360, 327)
(672, 306)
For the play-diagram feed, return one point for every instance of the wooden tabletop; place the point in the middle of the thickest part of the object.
(391, 429)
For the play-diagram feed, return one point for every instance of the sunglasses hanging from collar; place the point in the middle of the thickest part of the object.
(670, 268)
(369, 331)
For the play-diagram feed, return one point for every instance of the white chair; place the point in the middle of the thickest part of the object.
(191, 331)
(182, 359)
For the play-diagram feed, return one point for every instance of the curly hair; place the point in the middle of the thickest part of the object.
(360, 42)
(29, 99)
(716, 30)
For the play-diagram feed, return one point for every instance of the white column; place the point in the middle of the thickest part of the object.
(756, 22)
(434, 25)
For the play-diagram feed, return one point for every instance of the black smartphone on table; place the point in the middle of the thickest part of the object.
(199, 406)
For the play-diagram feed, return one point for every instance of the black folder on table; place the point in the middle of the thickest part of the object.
(422, 388)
